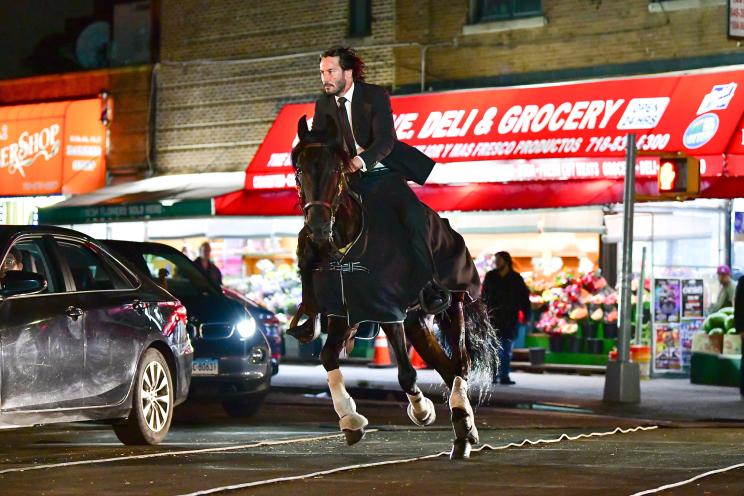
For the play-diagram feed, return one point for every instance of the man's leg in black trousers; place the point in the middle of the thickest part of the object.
(412, 215)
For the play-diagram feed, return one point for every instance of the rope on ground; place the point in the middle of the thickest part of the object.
(257, 444)
(566, 437)
(693, 479)
(526, 442)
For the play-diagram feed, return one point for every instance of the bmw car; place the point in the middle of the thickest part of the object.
(84, 337)
(233, 361)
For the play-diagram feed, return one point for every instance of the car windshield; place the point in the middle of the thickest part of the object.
(176, 273)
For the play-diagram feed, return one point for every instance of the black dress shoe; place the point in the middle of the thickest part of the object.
(506, 382)
(434, 298)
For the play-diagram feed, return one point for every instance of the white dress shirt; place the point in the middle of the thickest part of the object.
(349, 95)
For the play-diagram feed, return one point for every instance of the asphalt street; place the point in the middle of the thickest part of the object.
(293, 447)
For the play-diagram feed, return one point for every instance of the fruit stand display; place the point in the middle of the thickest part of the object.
(575, 318)
(716, 351)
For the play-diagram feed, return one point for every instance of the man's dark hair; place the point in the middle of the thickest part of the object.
(348, 59)
(506, 258)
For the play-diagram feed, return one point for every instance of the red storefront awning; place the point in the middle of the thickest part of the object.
(539, 146)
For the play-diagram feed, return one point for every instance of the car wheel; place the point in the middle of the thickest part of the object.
(243, 408)
(152, 404)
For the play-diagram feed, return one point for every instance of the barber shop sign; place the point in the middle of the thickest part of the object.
(52, 148)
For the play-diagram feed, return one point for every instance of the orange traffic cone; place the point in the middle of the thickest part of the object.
(416, 360)
(382, 353)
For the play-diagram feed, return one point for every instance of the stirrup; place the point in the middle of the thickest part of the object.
(309, 330)
(442, 291)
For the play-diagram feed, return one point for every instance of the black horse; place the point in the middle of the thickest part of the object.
(357, 261)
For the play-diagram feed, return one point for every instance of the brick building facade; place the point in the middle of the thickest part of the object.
(227, 67)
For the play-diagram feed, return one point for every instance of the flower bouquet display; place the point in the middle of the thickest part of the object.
(611, 313)
(277, 288)
(571, 304)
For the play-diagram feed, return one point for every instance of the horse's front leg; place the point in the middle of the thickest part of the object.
(351, 423)
(420, 408)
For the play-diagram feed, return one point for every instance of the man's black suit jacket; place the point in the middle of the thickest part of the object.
(372, 118)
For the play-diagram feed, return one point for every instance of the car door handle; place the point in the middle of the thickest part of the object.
(74, 312)
(139, 306)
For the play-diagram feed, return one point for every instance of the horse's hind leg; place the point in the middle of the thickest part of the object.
(422, 338)
(351, 423)
(420, 408)
(454, 330)
(463, 419)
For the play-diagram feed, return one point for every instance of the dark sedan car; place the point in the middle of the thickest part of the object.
(83, 337)
(232, 359)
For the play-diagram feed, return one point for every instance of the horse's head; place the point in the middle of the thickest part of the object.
(319, 162)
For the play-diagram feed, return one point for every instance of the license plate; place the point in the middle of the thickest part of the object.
(205, 366)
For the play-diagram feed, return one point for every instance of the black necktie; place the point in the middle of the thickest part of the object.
(343, 121)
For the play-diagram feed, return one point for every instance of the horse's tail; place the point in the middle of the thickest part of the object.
(482, 344)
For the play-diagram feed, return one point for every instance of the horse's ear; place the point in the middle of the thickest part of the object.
(302, 128)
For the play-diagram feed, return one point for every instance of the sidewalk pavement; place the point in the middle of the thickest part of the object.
(661, 399)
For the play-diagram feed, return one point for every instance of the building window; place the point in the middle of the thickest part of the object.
(360, 18)
(499, 10)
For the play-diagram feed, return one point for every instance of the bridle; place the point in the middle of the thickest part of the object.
(335, 202)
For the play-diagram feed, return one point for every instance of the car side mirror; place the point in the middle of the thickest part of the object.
(18, 282)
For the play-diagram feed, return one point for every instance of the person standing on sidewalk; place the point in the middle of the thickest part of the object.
(739, 324)
(505, 295)
(726, 293)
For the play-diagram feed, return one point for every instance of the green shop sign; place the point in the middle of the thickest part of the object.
(125, 212)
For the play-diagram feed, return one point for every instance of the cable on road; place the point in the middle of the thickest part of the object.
(693, 479)
(526, 442)
(257, 444)
(566, 437)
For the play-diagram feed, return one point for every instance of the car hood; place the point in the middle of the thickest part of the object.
(212, 308)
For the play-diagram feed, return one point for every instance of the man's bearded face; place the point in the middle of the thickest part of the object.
(336, 81)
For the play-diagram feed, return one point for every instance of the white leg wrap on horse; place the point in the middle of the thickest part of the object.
(459, 395)
(421, 409)
(343, 403)
(463, 418)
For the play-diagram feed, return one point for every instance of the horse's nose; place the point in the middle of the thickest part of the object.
(321, 233)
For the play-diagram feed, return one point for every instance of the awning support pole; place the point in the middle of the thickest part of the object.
(623, 379)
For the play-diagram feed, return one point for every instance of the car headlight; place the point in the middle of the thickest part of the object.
(246, 327)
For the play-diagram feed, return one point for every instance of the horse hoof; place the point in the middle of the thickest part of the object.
(354, 436)
(460, 449)
(464, 426)
(428, 416)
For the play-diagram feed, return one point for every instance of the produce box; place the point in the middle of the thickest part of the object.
(702, 343)
(732, 344)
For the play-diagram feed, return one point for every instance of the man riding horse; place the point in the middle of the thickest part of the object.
(381, 166)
